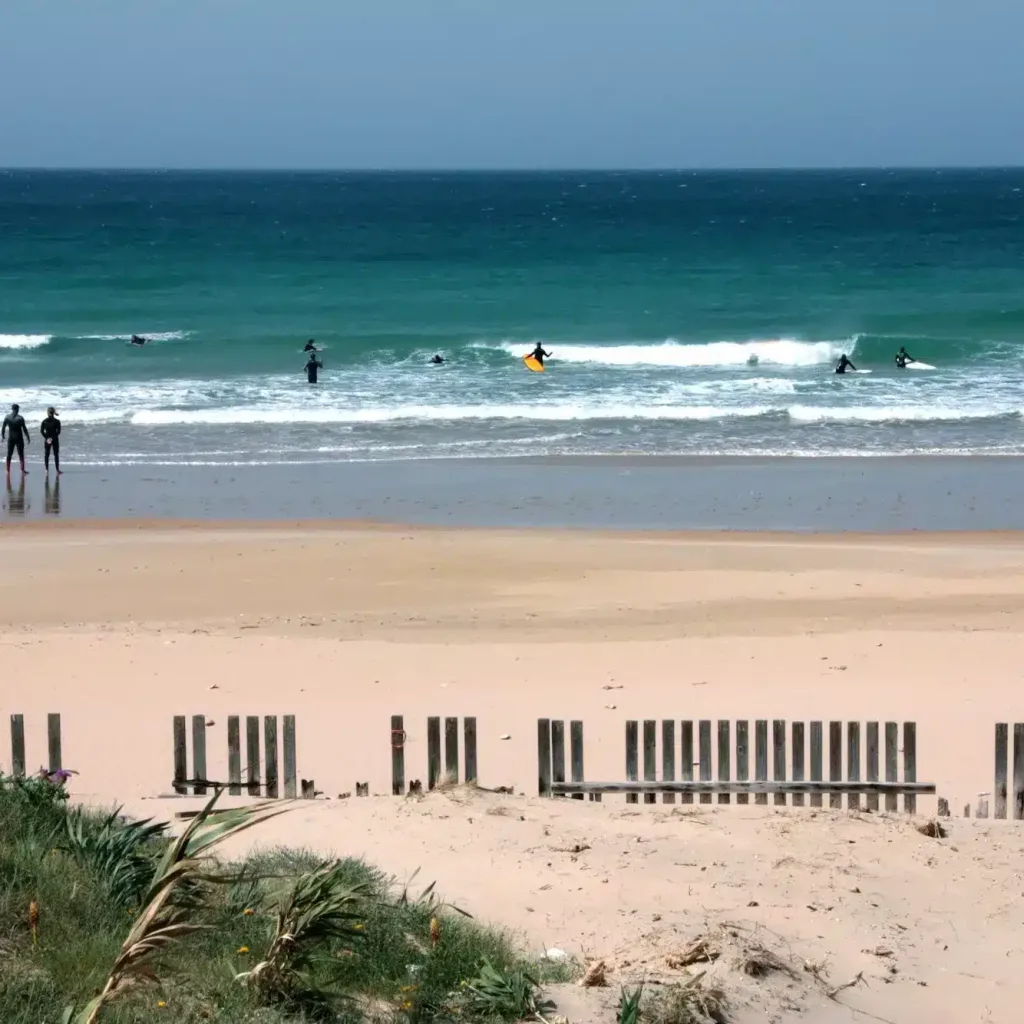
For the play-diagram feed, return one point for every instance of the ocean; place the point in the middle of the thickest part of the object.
(688, 314)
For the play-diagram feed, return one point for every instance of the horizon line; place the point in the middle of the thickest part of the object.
(766, 169)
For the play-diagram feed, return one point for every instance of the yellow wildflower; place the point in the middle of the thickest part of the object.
(162, 1005)
(243, 949)
(248, 912)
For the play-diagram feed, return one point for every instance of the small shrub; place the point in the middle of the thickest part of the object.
(509, 995)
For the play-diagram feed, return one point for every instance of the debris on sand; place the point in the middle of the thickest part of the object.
(595, 975)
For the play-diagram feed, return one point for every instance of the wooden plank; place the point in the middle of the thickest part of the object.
(891, 746)
(761, 757)
(817, 762)
(779, 757)
(798, 760)
(704, 755)
(724, 765)
(544, 757)
(53, 742)
(632, 757)
(558, 751)
(576, 753)
(398, 755)
(686, 757)
(1018, 770)
(872, 763)
(835, 760)
(252, 754)
(650, 766)
(289, 755)
(909, 764)
(743, 758)
(234, 757)
(18, 746)
(768, 786)
(853, 762)
(469, 737)
(1002, 743)
(199, 754)
(433, 751)
(451, 751)
(180, 756)
(668, 755)
(270, 754)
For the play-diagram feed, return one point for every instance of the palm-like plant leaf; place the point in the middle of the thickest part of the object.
(319, 908)
(162, 922)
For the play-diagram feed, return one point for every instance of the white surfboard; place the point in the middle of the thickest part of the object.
(920, 366)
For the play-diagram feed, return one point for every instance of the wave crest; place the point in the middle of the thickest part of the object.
(23, 340)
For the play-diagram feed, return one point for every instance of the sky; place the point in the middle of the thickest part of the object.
(514, 84)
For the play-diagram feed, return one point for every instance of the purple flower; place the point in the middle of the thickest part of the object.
(59, 777)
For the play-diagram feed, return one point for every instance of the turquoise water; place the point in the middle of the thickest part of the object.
(688, 313)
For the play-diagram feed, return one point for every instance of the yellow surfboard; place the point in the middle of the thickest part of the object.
(533, 364)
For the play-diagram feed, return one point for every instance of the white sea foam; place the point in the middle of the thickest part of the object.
(894, 414)
(23, 340)
(149, 336)
(770, 352)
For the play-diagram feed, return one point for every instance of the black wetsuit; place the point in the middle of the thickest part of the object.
(312, 367)
(50, 431)
(843, 364)
(538, 353)
(16, 430)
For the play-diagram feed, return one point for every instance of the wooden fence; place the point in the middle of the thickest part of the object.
(1002, 764)
(798, 784)
(53, 743)
(451, 753)
(199, 782)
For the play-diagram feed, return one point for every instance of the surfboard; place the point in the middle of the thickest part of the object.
(920, 366)
(533, 364)
(862, 371)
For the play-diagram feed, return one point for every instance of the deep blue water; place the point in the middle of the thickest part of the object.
(687, 312)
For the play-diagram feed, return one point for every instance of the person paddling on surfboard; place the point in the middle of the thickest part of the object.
(137, 340)
(844, 364)
(902, 358)
(437, 360)
(310, 346)
(539, 354)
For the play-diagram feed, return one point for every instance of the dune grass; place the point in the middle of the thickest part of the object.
(281, 937)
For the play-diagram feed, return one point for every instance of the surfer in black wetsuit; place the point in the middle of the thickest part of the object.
(137, 340)
(539, 354)
(844, 364)
(50, 431)
(437, 360)
(310, 346)
(902, 358)
(16, 431)
(312, 367)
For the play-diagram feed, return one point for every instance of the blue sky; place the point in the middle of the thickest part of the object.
(510, 83)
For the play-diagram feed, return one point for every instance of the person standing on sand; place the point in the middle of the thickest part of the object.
(16, 431)
(50, 431)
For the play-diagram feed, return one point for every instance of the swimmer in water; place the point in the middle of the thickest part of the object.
(902, 358)
(844, 364)
(312, 366)
(437, 360)
(137, 340)
(310, 346)
(539, 354)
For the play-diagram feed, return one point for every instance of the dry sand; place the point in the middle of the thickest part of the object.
(119, 627)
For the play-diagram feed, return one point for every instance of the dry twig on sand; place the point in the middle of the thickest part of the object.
(857, 980)
(701, 950)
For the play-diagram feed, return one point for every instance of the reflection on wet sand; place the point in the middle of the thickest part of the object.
(16, 503)
(51, 498)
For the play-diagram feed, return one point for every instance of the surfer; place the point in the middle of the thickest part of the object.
(312, 366)
(902, 358)
(310, 346)
(844, 363)
(437, 360)
(539, 354)
(137, 340)
(50, 431)
(16, 431)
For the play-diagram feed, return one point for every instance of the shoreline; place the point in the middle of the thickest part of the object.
(655, 494)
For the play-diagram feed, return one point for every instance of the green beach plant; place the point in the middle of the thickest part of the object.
(319, 910)
(163, 922)
(510, 995)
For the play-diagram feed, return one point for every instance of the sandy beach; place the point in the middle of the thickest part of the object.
(120, 626)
